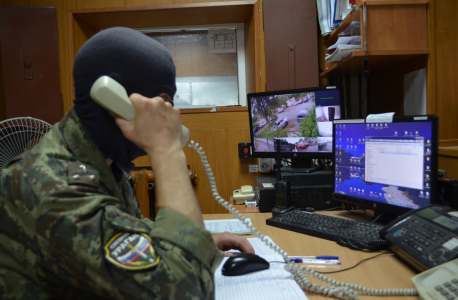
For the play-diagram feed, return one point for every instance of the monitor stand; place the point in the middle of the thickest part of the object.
(379, 218)
(301, 165)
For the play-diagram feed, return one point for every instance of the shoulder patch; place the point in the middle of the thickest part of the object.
(81, 174)
(131, 251)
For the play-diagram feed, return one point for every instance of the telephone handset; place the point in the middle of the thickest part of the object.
(111, 95)
(440, 282)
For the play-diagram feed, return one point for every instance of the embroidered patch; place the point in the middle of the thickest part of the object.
(132, 251)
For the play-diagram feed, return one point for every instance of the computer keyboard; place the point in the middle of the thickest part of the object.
(325, 227)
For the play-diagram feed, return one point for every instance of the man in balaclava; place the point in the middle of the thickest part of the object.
(71, 227)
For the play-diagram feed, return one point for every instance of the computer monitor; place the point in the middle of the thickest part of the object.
(390, 167)
(301, 118)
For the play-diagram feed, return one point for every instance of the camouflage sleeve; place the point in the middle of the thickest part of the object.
(77, 228)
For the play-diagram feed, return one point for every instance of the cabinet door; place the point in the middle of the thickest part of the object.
(29, 66)
(291, 44)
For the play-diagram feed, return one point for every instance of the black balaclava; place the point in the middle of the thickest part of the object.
(138, 63)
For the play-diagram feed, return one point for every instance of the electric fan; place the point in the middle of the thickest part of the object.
(18, 135)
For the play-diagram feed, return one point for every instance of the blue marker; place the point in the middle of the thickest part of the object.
(317, 257)
(315, 261)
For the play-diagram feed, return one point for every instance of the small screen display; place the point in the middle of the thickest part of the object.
(439, 218)
(302, 121)
(384, 162)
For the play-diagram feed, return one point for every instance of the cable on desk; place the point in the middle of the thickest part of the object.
(377, 218)
(375, 245)
(336, 289)
(360, 262)
(352, 212)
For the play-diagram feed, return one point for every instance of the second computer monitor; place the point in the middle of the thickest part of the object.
(387, 166)
(301, 118)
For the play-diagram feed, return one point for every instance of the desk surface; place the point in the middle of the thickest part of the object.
(385, 271)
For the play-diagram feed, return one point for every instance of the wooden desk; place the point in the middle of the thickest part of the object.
(386, 271)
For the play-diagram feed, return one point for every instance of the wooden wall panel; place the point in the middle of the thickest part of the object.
(14, 2)
(450, 164)
(237, 169)
(446, 59)
(383, 20)
(62, 41)
(99, 3)
(131, 3)
(220, 120)
(213, 143)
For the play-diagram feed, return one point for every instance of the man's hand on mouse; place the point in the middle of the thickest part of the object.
(227, 241)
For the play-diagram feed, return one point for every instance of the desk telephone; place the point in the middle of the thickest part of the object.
(112, 96)
(424, 238)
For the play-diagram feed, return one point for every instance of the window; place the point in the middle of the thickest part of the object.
(210, 63)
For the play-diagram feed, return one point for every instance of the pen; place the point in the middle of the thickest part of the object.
(316, 261)
(317, 257)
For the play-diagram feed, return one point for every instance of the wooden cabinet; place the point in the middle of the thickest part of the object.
(403, 36)
(393, 34)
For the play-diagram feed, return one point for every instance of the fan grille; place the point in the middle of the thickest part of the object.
(18, 135)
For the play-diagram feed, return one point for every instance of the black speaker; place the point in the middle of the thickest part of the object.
(245, 150)
(447, 192)
(266, 185)
(283, 194)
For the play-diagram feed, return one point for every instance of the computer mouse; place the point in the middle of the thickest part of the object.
(244, 263)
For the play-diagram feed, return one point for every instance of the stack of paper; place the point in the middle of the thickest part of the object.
(344, 46)
(274, 283)
(233, 226)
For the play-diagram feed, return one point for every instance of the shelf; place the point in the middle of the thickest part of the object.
(353, 64)
(390, 2)
(449, 151)
(395, 31)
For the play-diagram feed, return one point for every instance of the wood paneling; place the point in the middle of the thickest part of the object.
(62, 31)
(14, 2)
(221, 120)
(450, 164)
(213, 142)
(99, 3)
(130, 3)
(237, 169)
(396, 27)
(446, 59)
(169, 15)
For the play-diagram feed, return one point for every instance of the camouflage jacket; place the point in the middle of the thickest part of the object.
(60, 207)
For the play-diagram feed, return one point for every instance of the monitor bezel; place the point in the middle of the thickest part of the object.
(389, 208)
(298, 155)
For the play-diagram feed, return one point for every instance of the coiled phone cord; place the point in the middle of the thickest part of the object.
(337, 289)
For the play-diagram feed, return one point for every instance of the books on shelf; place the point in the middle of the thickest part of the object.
(331, 13)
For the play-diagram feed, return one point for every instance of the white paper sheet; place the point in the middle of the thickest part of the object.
(415, 93)
(273, 284)
(341, 52)
(233, 226)
(380, 118)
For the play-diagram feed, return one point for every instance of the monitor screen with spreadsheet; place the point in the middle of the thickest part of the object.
(391, 167)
